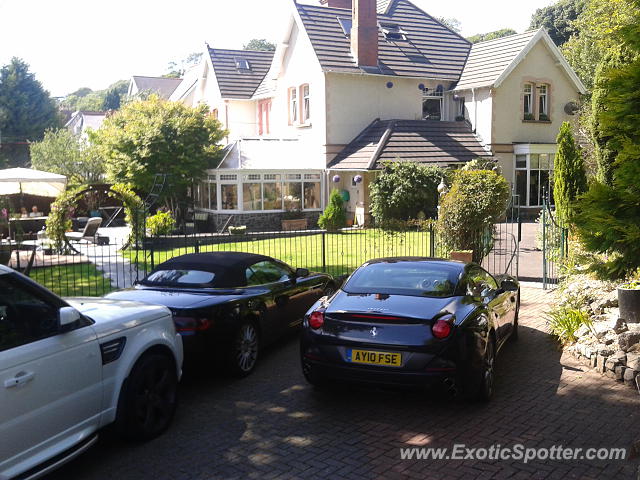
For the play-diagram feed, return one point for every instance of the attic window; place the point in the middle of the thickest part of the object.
(345, 23)
(242, 63)
(393, 32)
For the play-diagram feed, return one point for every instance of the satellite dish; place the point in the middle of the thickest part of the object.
(571, 108)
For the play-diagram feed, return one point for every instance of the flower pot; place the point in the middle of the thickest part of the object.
(629, 304)
(462, 256)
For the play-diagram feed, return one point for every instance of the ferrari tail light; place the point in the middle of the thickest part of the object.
(190, 325)
(443, 326)
(316, 319)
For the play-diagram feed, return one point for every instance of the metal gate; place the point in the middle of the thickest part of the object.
(503, 255)
(554, 246)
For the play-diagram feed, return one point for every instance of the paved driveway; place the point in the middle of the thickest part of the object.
(273, 426)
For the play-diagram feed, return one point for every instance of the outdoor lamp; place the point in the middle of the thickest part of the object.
(442, 187)
(357, 178)
(336, 178)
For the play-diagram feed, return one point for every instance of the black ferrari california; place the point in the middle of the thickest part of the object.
(227, 305)
(412, 321)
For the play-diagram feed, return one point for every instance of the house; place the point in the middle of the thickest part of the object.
(82, 120)
(354, 83)
(161, 86)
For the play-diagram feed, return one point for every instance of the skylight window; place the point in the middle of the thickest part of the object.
(392, 31)
(345, 23)
(242, 63)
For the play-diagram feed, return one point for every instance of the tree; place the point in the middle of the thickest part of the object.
(111, 100)
(608, 216)
(569, 177)
(484, 37)
(26, 110)
(334, 216)
(60, 151)
(156, 136)
(176, 69)
(260, 44)
(404, 189)
(469, 211)
(595, 36)
(451, 23)
(558, 19)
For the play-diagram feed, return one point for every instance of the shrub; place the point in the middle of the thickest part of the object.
(565, 322)
(469, 211)
(403, 189)
(334, 216)
(162, 223)
(569, 176)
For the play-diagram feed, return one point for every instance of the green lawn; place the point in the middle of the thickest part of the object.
(343, 252)
(72, 280)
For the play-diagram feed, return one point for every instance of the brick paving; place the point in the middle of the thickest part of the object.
(273, 426)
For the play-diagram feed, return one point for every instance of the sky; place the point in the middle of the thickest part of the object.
(93, 43)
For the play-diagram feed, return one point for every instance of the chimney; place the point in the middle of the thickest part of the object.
(364, 33)
(337, 3)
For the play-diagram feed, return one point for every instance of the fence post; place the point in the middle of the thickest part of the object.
(432, 241)
(324, 256)
(197, 246)
(151, 249)
(544, 244)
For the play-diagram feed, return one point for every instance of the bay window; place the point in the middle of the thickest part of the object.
(534, 178)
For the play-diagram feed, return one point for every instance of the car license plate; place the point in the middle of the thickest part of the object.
(370, 357)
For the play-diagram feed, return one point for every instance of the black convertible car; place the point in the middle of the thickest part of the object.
(412, 321)
(229, 303)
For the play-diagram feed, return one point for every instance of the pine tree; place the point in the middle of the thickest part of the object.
(334, 216)
(569, 177)
(608, 216)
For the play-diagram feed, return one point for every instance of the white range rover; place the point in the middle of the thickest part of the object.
(70, 367)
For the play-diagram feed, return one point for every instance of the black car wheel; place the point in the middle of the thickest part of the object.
(485, 392)
(317, 381)
(514, 332)
(244, 350)
(148, 399)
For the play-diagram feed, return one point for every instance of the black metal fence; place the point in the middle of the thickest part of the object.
(93, 269)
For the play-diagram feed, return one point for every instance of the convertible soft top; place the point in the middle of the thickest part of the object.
(228, 267)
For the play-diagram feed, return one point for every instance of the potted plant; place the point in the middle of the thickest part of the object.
(543, 117)
(462, 255)
(239, 230)
(528, 116)
(629, 301)
(294, 220)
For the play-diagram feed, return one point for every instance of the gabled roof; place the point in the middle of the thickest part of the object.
(163, 86)
(491, 62)
(431, 50)
(235, 82)
(420, 141)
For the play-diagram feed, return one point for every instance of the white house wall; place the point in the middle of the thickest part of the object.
(300, 66)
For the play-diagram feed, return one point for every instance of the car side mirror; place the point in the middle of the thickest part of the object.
(509, 286)
(302, 272)
(67, 316)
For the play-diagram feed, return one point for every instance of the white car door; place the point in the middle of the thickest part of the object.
(50, 381)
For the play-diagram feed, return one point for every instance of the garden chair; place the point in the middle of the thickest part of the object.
(89, 233)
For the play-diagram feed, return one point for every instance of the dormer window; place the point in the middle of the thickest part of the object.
(242, 63)
(393, 32)
(345, 23)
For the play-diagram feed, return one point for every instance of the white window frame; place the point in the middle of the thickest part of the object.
(528, 150)
(305, 104)
(293, 106)
(543, 99)
(527, 91)
(435, 94)
(240, 177)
